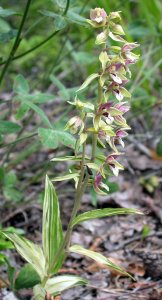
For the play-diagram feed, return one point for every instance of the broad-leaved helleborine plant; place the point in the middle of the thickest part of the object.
(101, 124)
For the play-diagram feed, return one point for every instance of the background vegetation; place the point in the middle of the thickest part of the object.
(53, 56)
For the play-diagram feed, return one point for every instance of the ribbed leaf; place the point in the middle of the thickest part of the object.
(99, 258)
(69, 158)
(39, 292)
(52, 233)
(21, 85)
(51, 138)
(31, 252)
(88, 81)
(105, 212)
(66, 177)
(58, 284)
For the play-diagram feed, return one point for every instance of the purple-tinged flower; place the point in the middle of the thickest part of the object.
(98, 184)
(130, 61)
(119, 96)
(110, 111)
(122, 107)
(98, 180)
(129, 47)
(105, 106)
(74, 124)
(121, 133)
(118, 91)
(98, 15)
(115, 78)
(113, 164)
(117, 139)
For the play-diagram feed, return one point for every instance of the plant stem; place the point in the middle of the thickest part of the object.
(16, 43)
(67, 7)
(95, 135)
(78, 196)
(40, 44)
(82, 184)
(99, 93)
(94, 145)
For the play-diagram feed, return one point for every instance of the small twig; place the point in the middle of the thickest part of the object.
(135, 239)
(19, 140)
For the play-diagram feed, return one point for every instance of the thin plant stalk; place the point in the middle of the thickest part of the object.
(17, 41)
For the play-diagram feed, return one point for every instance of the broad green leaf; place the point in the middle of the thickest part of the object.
(12, 194)
(21, 111)
(105, 212)
(48, 13)
(5, 244)
(88, 81)
(60, 22)
(66, 139)
(83, 58)
(6, 12)
(21, 85)
(31, 252)
(41, 97)
(10, 179)
(99, 258)
(48, 138)
(4, 26)
(61, 87)
(26, 278)
(7, 36)
(74, 17)
(58, 284)
(66, 177)
(7, 127)
(51, 138)
(52, 234)
(37, 109)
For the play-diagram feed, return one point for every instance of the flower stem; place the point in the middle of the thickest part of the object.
(79, 192)
(16, 43)
(82, 184)
(95, 135)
